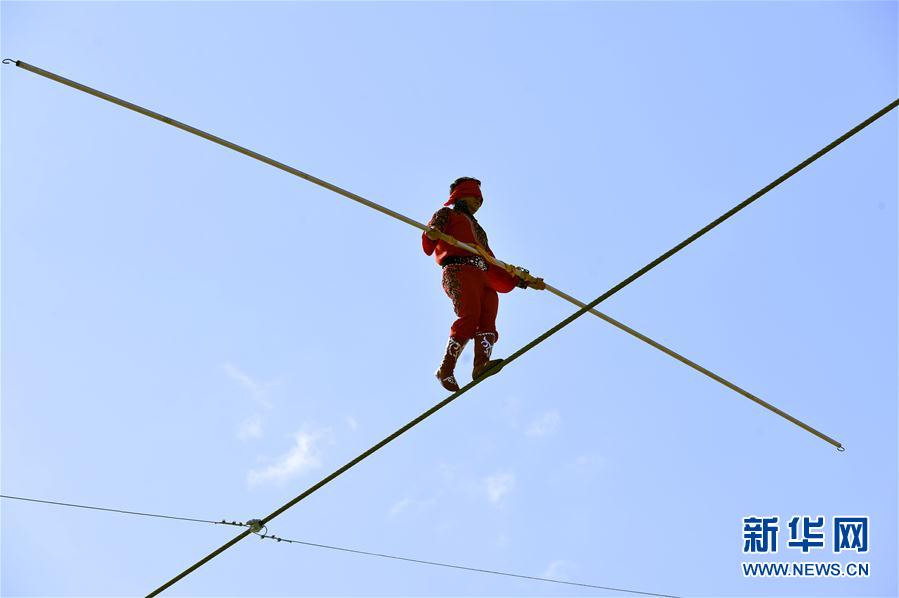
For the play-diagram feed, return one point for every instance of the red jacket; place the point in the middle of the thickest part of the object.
(466, 229)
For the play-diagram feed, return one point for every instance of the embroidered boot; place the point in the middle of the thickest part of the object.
(445, 372)
(483, 347)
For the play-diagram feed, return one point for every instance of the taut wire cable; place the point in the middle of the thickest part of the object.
(255, 528)
(464, 568)
(65, 504)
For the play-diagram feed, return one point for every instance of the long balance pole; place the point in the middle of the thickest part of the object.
(411, 222)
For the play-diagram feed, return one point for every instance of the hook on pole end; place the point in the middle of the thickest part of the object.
(841, 449)
(10, 61)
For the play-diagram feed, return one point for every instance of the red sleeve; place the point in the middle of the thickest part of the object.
(500, 280)
(427, 245)
(438, 221)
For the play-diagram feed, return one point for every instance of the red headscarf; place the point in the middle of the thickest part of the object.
(469, 188)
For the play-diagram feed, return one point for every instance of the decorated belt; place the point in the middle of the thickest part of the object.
(466, 260)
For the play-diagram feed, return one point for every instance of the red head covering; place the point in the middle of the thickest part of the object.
(467, 188)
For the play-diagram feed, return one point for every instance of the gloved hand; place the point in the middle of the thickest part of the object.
(432, 233)
(528, 281)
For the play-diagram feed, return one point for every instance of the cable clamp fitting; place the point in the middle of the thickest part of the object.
(256, 525)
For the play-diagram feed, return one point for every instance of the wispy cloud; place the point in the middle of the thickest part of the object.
(498, 485)
(304, 456)
(512, 411)
(451, 483)
(352, 423)
(257, 391)
(400, 506)
(558, 570)
(251, 428)
(586, 466)
(410, 506)
(544, 425)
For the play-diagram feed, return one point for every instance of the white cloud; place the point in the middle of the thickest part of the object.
(449, 482)
(251, 428)
(558, 570)
(586, 466)
(305, 455)
(256, 390)
(258, 393)
(411, 506)
(352, 423)
(544, 425)
(449, 473)
(511, 411)
(400, 506)
(499, 485)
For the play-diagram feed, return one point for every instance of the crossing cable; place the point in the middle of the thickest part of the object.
(464, 568)
(449, 239)
(65, 504)
(251, 525)
(729, 214)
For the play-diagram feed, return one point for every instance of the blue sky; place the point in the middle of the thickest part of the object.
(190, 332)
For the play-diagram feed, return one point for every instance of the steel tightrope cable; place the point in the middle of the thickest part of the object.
(729, 214)
(381, 555)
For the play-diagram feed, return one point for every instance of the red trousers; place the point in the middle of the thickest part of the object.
(474, 301)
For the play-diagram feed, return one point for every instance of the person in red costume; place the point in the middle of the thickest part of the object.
(469, 280)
